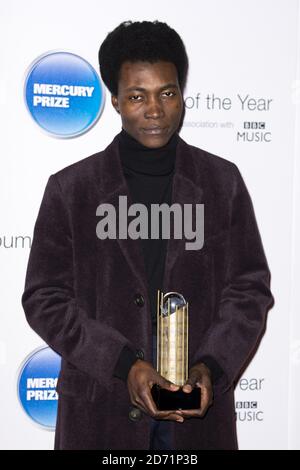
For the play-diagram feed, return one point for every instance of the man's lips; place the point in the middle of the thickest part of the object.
(155, 130)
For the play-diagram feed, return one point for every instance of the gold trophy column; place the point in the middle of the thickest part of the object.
(172, 341)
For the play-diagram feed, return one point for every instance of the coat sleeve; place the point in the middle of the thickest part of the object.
(246, 297)
(48, 300)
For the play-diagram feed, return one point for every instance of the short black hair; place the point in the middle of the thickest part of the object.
(141, 41)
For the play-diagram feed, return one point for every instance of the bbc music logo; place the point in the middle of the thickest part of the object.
(248, 411)
(64, 94)
(254, 131)
(36, 386)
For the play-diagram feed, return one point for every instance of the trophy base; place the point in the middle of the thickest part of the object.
(166, 400)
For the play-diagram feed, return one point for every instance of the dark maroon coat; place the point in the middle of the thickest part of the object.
(80, 291)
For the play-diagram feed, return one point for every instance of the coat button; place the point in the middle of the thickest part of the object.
(140, 354)
(139, 300)
(135, 414)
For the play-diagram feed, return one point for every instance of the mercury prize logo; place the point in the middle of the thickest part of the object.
(63, 94)
(37, 381)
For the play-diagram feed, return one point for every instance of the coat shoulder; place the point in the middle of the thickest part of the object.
(87, 175)
(211, 160)
(216, 169)
(81, 169)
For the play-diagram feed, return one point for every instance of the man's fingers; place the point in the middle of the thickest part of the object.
(155, 413)
(206, 400)
(166, 384)
(170, 415)
(149, 403)
(187, 388)
(190, 413)
(140, 380)
(138, 402)
(193, 381)
(146, 403)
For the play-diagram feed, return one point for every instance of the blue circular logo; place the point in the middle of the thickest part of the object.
(64, 94)
(37, 386)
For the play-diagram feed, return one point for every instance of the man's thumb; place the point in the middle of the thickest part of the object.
(168, 385)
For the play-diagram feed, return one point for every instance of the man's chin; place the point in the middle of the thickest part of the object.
(154, 141)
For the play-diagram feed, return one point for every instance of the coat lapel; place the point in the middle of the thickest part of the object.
(186, 189)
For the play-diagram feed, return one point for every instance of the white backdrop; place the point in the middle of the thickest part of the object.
(238, 51)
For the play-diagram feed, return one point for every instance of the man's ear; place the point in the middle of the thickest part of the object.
(115, 103)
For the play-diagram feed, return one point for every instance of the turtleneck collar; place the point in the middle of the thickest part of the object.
(148, 161)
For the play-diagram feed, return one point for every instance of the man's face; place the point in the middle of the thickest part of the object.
(149, 101)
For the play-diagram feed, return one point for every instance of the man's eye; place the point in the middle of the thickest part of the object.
(135, 97)
(169, 93)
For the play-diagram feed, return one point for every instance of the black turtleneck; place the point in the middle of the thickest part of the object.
(149, 175)
(137, 158)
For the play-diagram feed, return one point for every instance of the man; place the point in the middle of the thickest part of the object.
(92, 296)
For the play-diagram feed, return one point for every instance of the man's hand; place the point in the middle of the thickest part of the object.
(199, 377)
(142, 376)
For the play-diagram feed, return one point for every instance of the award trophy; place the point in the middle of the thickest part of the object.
(172, 353)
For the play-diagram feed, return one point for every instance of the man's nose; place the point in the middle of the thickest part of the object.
(154, 109)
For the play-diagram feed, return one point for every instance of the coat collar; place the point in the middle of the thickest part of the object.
(187, 189)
